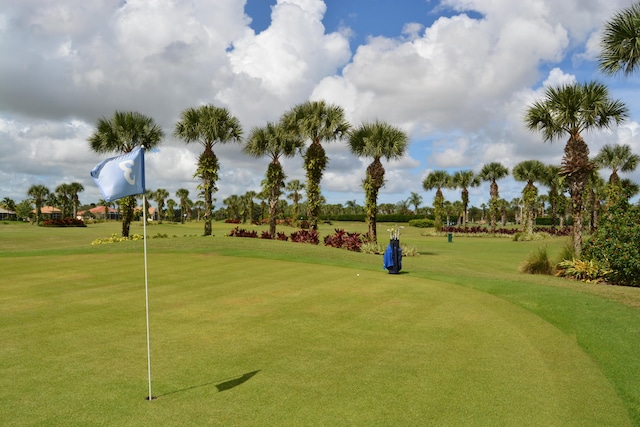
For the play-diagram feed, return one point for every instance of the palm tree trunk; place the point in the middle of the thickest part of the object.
(576, 166)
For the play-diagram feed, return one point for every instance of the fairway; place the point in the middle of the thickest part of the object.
(238, 339)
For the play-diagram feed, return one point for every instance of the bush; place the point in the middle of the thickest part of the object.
(586, 271)
(421, 223)
(526, 237)
(371, 248)
(66, 222)
(615, 243)
(537, 262)
(343, 239)
(408, 250)
(240, 232)
(306, 236)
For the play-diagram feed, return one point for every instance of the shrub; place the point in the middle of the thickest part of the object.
(240, 232)
(526, 237)
(305, 236)
(64, 222)
(537, 262)
(586, 271)
(371, 248)
(408, 250)
(615, 243)
(232, 221)
(421, 223)
(343, 239)
(266, 235)
(281, 236)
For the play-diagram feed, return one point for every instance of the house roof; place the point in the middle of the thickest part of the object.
(48, 210)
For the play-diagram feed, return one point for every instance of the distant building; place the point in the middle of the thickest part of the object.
(7, 214)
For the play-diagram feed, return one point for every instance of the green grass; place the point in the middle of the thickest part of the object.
(256, 332)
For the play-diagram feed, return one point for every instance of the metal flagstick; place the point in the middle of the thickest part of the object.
(146, 283)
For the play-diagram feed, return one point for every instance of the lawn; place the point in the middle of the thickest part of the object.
(257, 332)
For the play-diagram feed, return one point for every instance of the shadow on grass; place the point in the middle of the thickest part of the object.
(225, 385)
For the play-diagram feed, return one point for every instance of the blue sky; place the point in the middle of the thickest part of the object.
(456, 75)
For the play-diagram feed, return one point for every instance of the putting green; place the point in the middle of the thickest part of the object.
(263, 342)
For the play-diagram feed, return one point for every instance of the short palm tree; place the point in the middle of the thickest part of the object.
(160, 195)
(318, 122)
(618, 158)
(294, 187)
(464, 179)
(529, 171)
(106, 205)
(208, 125)
(415, 200)
(121, 134)
(621, 42)
(274, 140)
(38, 194)
(171, 210)
(571, 110)
(376, 140)
(492, 172)
(63, 193)
(75, 188)
(437, 180)
(184, 202)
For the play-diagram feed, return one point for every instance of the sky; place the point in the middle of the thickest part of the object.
(455, 75)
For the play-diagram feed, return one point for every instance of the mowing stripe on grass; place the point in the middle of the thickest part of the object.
(239, 341)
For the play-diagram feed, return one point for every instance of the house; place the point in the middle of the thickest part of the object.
(99, 212)
(50, 211)
(7, 214)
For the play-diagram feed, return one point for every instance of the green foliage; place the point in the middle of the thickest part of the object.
(529, 237)
(115, 239)
(371, 248)
(537, 262)
(421, 223)
(615, 243)
(589, 271)
(409, 250)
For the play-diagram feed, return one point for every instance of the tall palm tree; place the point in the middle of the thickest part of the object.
(160, 195)
(121, 134)
(415, 200)
(249, 197)
(464, 179)
(573, 109)
(376, 140)
(274, 140)
(208, 125)
(529, 171)
(621, 42)
(596, 190)
(183, 196)
(492, 172)
(75, 188)
(38, 194)
(294, 187)
(318, 122)
(618, 158)
(437, 180)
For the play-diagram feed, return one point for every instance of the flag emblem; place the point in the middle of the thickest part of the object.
(121, 176)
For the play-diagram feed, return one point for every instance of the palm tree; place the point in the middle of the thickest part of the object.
(376, 140)
(250, 196)
(121, 134)
(106, 205)
(621, 41)
(63, 193)
(529, 171)
(596, 191)
(171, 210)
(319, 122)
(294, 187)
(573, 109)
(438, 180)
(464, 179)
(160, 196)
(492, 172)
(274, 140)
(183, 195)
(208, 125)
(233, 206)
(74, 189)
(39, 194)
(415, 200)
(618, 158)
